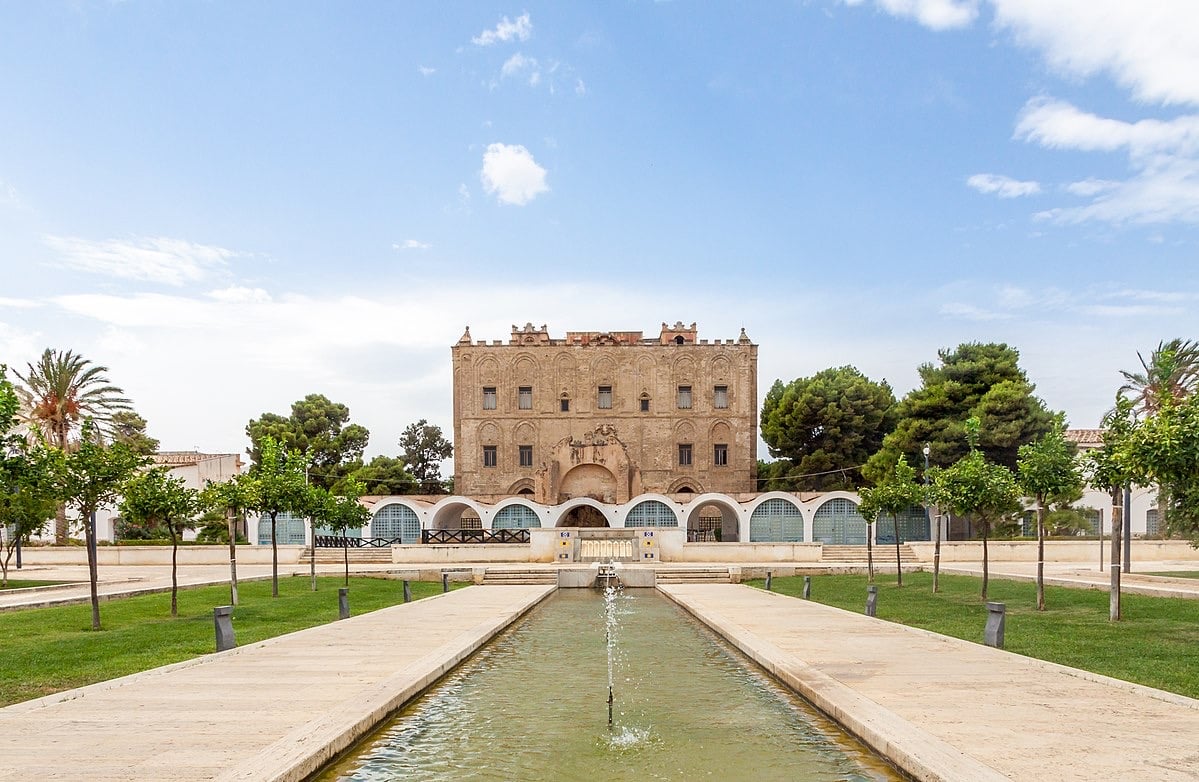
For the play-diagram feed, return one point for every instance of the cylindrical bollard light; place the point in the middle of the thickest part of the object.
(993, 634)
(407, 591)
(807, 587)
(222, 620)
(767, 580)
(343, 603)
(871, 600)
(445, 581)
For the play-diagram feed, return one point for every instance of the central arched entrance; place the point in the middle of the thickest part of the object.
(583, 516)
(588, 480)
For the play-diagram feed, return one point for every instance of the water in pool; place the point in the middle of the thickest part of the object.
(533, 705)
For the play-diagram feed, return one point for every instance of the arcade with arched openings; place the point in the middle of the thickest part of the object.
(515, 516)
(913, 525)
(651, 513)
(714, 519)
(396, 522)
(776, 520)
(838, 523)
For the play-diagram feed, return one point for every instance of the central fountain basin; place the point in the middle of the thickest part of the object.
(533, 705)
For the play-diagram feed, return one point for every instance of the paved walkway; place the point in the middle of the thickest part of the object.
(951, 710)
(1079, 576)
(275, 710)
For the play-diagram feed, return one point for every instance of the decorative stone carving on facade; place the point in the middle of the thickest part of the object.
(595, 465)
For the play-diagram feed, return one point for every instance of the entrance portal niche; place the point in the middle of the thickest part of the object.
(584, 516)
(588, 480)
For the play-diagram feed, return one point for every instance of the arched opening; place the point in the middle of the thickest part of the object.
(456, 515)
(396, 522)
(526, 491)
(776, 520)
(584, 516)
(913, 525)
(588, 480)
(651, 513)
(289, 529)
(712, 521)
(838, 523)
(515, 517)
(679, 340)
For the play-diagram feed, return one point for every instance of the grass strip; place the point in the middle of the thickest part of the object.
(1156, 643)
(1174, 573)
(47, 650)
(14, 583)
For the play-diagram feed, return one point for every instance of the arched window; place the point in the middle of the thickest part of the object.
(515, 517)
(913, 525)
(776, 520)
(396, 522)
(651, 513)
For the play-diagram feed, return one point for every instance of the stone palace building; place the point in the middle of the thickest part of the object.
(607, 415)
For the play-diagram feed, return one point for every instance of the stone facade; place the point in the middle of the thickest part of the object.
(605, 415)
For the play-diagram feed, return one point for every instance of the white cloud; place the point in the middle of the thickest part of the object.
(518, 64)
(411, 244)
(19, 304)
(934, 14)
(240, 295)
(1002, 186)
(1151, 48)
(425, 70)
(151, 258)
(505, 31)
(1164, 157)
(9, 195)
(1058, 124)
(1091, 186)
(580, 87)
(511, 173)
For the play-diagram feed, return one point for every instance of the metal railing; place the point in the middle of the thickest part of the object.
(474, 536)
(336, 541)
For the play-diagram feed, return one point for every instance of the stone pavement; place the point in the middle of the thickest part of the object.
(945, 709)
(275, 710)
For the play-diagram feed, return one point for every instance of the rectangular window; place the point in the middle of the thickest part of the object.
(605, 398)
(526, 455)
(720, 455)
(644, 405)
(488, 397)
(684, 454)
(524, 398)
(720, 397)
(684, 397)
(564, 405)
(489, 457)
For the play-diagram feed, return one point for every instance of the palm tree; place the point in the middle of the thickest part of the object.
(57, 394)
(1172, 372)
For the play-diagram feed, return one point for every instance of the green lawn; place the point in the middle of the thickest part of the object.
(1157, 643)
(15, 583)
(1175, 573)
(46, 650)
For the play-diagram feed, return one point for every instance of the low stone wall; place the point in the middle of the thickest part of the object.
(158, 555)
(1055, 550)
(465, 552)
(750, 552)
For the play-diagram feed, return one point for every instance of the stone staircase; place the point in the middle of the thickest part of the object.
(357, 556)
(884, 554)
(519, 575)
(693, 575)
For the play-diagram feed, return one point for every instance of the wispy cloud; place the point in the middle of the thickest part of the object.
(511, 173)
(506, 30)
(934, 14)
(411, 244)
(150, 258)
(425, 70)
(1003, 186)
(518, 65)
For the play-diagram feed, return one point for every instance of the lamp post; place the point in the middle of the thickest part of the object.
(937, 522)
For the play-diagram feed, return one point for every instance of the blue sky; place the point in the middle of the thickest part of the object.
(232, 205)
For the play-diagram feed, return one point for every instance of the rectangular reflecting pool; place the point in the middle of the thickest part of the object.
(533, 705)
